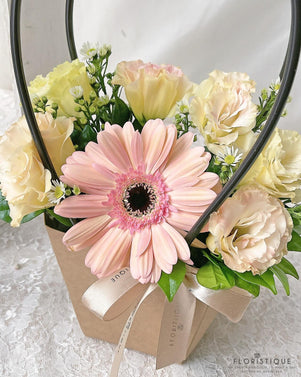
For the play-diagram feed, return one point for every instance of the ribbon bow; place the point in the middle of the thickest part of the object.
(110, 297)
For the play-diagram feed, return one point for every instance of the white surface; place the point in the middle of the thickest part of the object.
(40, 336)
(198, 36)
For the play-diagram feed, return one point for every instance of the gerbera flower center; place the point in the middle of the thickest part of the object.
(139, 199)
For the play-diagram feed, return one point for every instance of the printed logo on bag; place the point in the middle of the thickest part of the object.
(257, 362)
(176, 327)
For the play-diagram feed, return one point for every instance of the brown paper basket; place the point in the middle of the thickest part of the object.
(144, 335)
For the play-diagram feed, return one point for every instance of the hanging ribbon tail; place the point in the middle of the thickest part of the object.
(175, 328)
(109, 297)
(125, 333)
(232, 303)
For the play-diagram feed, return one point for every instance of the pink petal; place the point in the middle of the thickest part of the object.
(181, 145)
(208, 179)
(141, 240)
(110, 252)
(86, 178)
(79, 157)
(182, 247)
(192, 196)
(171, 137)
(191, 164)
(155, 274)
(136, 150)
(182, 220)
(164, 249)
(114, 151)
(153, 136)
(82, 206)
(141, 265)
(86, 232)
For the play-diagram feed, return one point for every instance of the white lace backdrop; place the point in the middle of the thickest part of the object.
(39, 334)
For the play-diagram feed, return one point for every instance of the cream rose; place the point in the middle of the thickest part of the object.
(278, 167)
(24, 181)
(223, 110)
(151, 90)
(57, 84)
(250, 231)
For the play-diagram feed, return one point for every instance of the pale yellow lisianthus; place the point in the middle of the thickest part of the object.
(151, 90)
(57, 84)
(278, 167)
(23, 179)
(250, 231)
(223, 111)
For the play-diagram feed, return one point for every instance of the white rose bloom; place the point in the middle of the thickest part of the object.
(223, 110)
(250, 231)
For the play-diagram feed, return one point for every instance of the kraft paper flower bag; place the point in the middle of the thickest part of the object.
(166, 201)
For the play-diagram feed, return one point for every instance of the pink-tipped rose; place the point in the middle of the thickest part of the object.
(250, 231)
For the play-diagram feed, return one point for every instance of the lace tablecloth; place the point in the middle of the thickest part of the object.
(40, 336)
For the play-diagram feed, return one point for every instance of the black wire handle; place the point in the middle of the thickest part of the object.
(288, 71)
(15, 42)
(69, 29)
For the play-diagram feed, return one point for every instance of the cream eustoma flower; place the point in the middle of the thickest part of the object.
(57, 84)
(24, 180)
(151, 90)
(223, 111)
(278, 167)
(250, 231)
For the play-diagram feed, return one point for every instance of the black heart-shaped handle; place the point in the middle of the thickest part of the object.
(287, 75)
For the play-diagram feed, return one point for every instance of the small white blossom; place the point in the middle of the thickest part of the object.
(276, 85)
(57, 192)
(88, 50)
(77, 91)
(231, 156)
(104, 49)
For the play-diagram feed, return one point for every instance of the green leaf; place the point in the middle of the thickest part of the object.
(120, 113)
(282, 277)
(215, 276)
(86, 135)
(32, 215)
(63, 220)
(254, 289)
(288, 268)
(170, 283)
(4, 209)
(266, 279)
(295, 213)
(295, 242)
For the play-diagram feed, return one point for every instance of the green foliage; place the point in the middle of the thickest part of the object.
(295, 213)
(215, 276)
(254, 289)
(120, 113)
(266, 279)
(83, 137)
(170, 283)
(4, 209)
(266, 102)
(32, 215)
(288, 268)
(282, 277)
(183, 122)
(62, 220)
(295, 242)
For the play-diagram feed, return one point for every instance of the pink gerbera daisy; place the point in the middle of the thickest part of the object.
(142, 193)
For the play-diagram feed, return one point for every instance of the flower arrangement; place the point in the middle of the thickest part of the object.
(141, 154)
